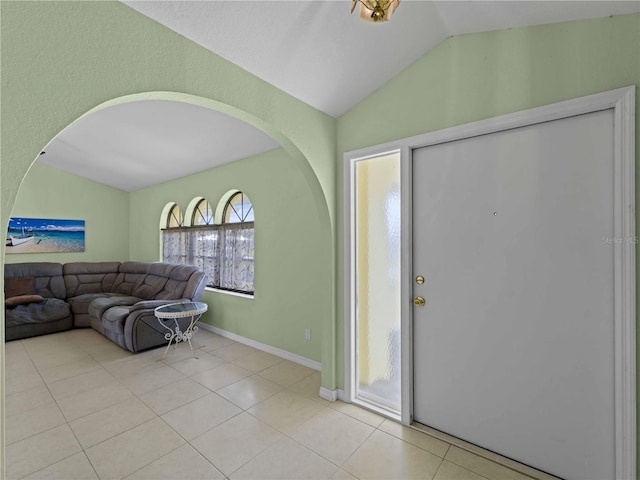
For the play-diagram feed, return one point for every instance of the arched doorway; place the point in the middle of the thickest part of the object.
(318, 210)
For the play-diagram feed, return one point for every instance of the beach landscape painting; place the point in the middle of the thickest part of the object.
(44, 235)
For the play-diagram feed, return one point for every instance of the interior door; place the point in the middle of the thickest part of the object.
(514, 346)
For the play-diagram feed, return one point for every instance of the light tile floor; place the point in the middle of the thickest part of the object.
(80, 407)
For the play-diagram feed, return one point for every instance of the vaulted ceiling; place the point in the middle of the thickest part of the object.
(314, 50)
(322, 55)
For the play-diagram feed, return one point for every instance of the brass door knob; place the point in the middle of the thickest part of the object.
(419, 302)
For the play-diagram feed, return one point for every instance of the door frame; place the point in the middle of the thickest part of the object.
(622, 101)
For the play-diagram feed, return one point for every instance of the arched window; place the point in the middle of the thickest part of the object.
(225, 252)
(174, 217)
(202, 214)
(202, 240)
(238, 209)
(174, 237)
(237, 253)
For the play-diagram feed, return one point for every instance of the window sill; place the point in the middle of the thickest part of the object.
(228, 292)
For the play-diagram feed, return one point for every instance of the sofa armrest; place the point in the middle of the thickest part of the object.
(152, 304)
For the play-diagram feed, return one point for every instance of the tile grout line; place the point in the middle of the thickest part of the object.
(118, 380)
(435, 474)
(253, 457)
(375, 429)
(480, 452)
(262, 422)
(159, 416)
(66, 423)
(283, 388)
(188, 442)
(310, 449)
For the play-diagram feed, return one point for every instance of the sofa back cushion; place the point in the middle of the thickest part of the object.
(47, 277)
(154, 282)
(16, 286)
(184, 281)
(130, 275)
(149, 286)
(89, 277)
(159, 281)
(146, 280)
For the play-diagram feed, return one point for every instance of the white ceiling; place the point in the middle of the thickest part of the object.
(314, 50)
(319, 53)
(136, 145)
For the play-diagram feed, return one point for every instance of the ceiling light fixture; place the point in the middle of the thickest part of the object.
(375, 10)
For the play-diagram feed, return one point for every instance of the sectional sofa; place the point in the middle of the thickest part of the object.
(116, 299)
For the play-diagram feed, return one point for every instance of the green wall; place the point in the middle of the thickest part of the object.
(477, 76)
(51, 193)
(122, 226)
(62, 59)
(288, 294)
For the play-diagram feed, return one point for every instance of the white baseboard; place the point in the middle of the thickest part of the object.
(307, 362)
(332, 395)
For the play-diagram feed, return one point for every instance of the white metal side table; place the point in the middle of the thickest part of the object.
(172, 312)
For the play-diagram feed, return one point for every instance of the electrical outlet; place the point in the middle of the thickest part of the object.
(307, 334)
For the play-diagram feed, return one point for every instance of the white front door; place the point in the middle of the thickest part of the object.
(514, 347)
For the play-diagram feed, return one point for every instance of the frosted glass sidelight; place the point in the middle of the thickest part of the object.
(377, 281)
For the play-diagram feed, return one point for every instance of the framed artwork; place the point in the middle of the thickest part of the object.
(44, 235)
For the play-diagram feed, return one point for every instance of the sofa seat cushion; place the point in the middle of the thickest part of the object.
(99, 306)
(80, 303)
(49, 310)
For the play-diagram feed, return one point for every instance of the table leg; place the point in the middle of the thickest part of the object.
(180, 336)
(170, 337)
